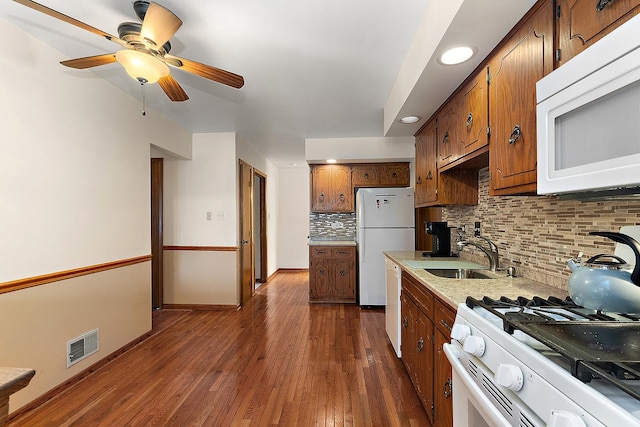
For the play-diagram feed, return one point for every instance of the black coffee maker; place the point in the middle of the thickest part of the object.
(440, 239)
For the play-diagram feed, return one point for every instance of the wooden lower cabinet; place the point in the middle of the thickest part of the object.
(426, 323)
(332, 274)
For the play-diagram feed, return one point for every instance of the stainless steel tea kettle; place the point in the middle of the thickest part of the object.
(607, 285)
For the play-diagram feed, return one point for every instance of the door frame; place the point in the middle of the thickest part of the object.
(246, 177)
(261, 275)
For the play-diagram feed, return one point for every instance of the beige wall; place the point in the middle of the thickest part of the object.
(74, 193)
(200, 277)
(38, 322)
(537, 234)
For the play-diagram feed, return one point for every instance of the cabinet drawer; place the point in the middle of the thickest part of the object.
(443, 318)
(343, 252)
(421, 296)
(320, 252)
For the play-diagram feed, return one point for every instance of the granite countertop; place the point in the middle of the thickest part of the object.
(456, 291)
(13, 379)
(316, 242)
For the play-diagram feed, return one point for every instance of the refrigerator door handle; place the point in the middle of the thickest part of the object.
(361, 248)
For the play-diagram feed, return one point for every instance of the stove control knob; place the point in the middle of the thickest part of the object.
(474, 344)
(460, 332)
(565, 419)
(509, 376)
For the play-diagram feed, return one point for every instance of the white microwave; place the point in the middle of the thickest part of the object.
(588, 118)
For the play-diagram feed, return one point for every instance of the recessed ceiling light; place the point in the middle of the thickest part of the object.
(332, 161)
(456, 55)
(410, 119)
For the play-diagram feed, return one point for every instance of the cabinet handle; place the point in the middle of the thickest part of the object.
(447, 388)
(469, 120)
(394, 175)
(446, 137)
(419, 181)
(515, 134)
(341, 196)
(342, 273)
(445, 324)
(429, 176)
(420, 344)
(366, 175)
(601, 4)
(322, 196)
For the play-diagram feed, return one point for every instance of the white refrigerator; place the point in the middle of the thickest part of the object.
(385, 222)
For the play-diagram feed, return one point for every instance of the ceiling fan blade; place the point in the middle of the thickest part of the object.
(208, 72)
(90, 61)
(55, 14)
(172, 88)
(159, 24)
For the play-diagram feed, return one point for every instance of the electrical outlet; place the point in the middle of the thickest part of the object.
(220, 215)
(208, 216)
(476, 229)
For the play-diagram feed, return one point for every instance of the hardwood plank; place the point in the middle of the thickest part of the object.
(276, 361)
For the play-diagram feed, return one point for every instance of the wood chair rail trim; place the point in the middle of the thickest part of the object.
(29, 282)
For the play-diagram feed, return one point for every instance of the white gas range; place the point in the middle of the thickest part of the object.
(544, 362)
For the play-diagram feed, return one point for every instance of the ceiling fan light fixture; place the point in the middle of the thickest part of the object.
(141, 66)
(456, 55)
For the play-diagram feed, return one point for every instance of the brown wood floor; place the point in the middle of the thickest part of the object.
(276, 361)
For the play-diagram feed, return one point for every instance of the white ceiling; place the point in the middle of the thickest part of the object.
(312, 69)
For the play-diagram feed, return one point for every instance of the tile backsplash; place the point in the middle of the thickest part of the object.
(537, 234)
(332, 226)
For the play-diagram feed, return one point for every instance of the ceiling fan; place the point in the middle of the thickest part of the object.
(145, 49)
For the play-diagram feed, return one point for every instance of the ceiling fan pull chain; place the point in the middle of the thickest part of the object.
(144, 101)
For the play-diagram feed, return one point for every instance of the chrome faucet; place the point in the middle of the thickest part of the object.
(491, 252)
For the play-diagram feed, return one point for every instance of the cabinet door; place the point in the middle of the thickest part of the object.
(525, 58)
(342, 188)
(442, 384)
(424, 362)
(320, 279)
(407, 333)
(344, 275)
(366, 175)
(580, 23)
(447, 147)
(426, 165)
(474, 114)
(394, 174)
(321, 189)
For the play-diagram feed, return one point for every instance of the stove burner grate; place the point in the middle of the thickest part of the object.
(597, 344)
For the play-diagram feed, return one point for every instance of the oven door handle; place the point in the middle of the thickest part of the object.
(482, 402)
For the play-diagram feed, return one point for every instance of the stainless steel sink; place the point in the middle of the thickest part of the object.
(458, 273)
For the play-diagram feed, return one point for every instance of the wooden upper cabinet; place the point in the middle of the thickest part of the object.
(426, 186)
(580, 23)
(396, 174)
(525, 58)
(436, 188)
(473, 116)
(331, 188)
(448, 143)
(365, 175)
(381, 174)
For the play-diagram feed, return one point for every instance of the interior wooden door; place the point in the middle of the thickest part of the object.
(156, 233)
(247, 281)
